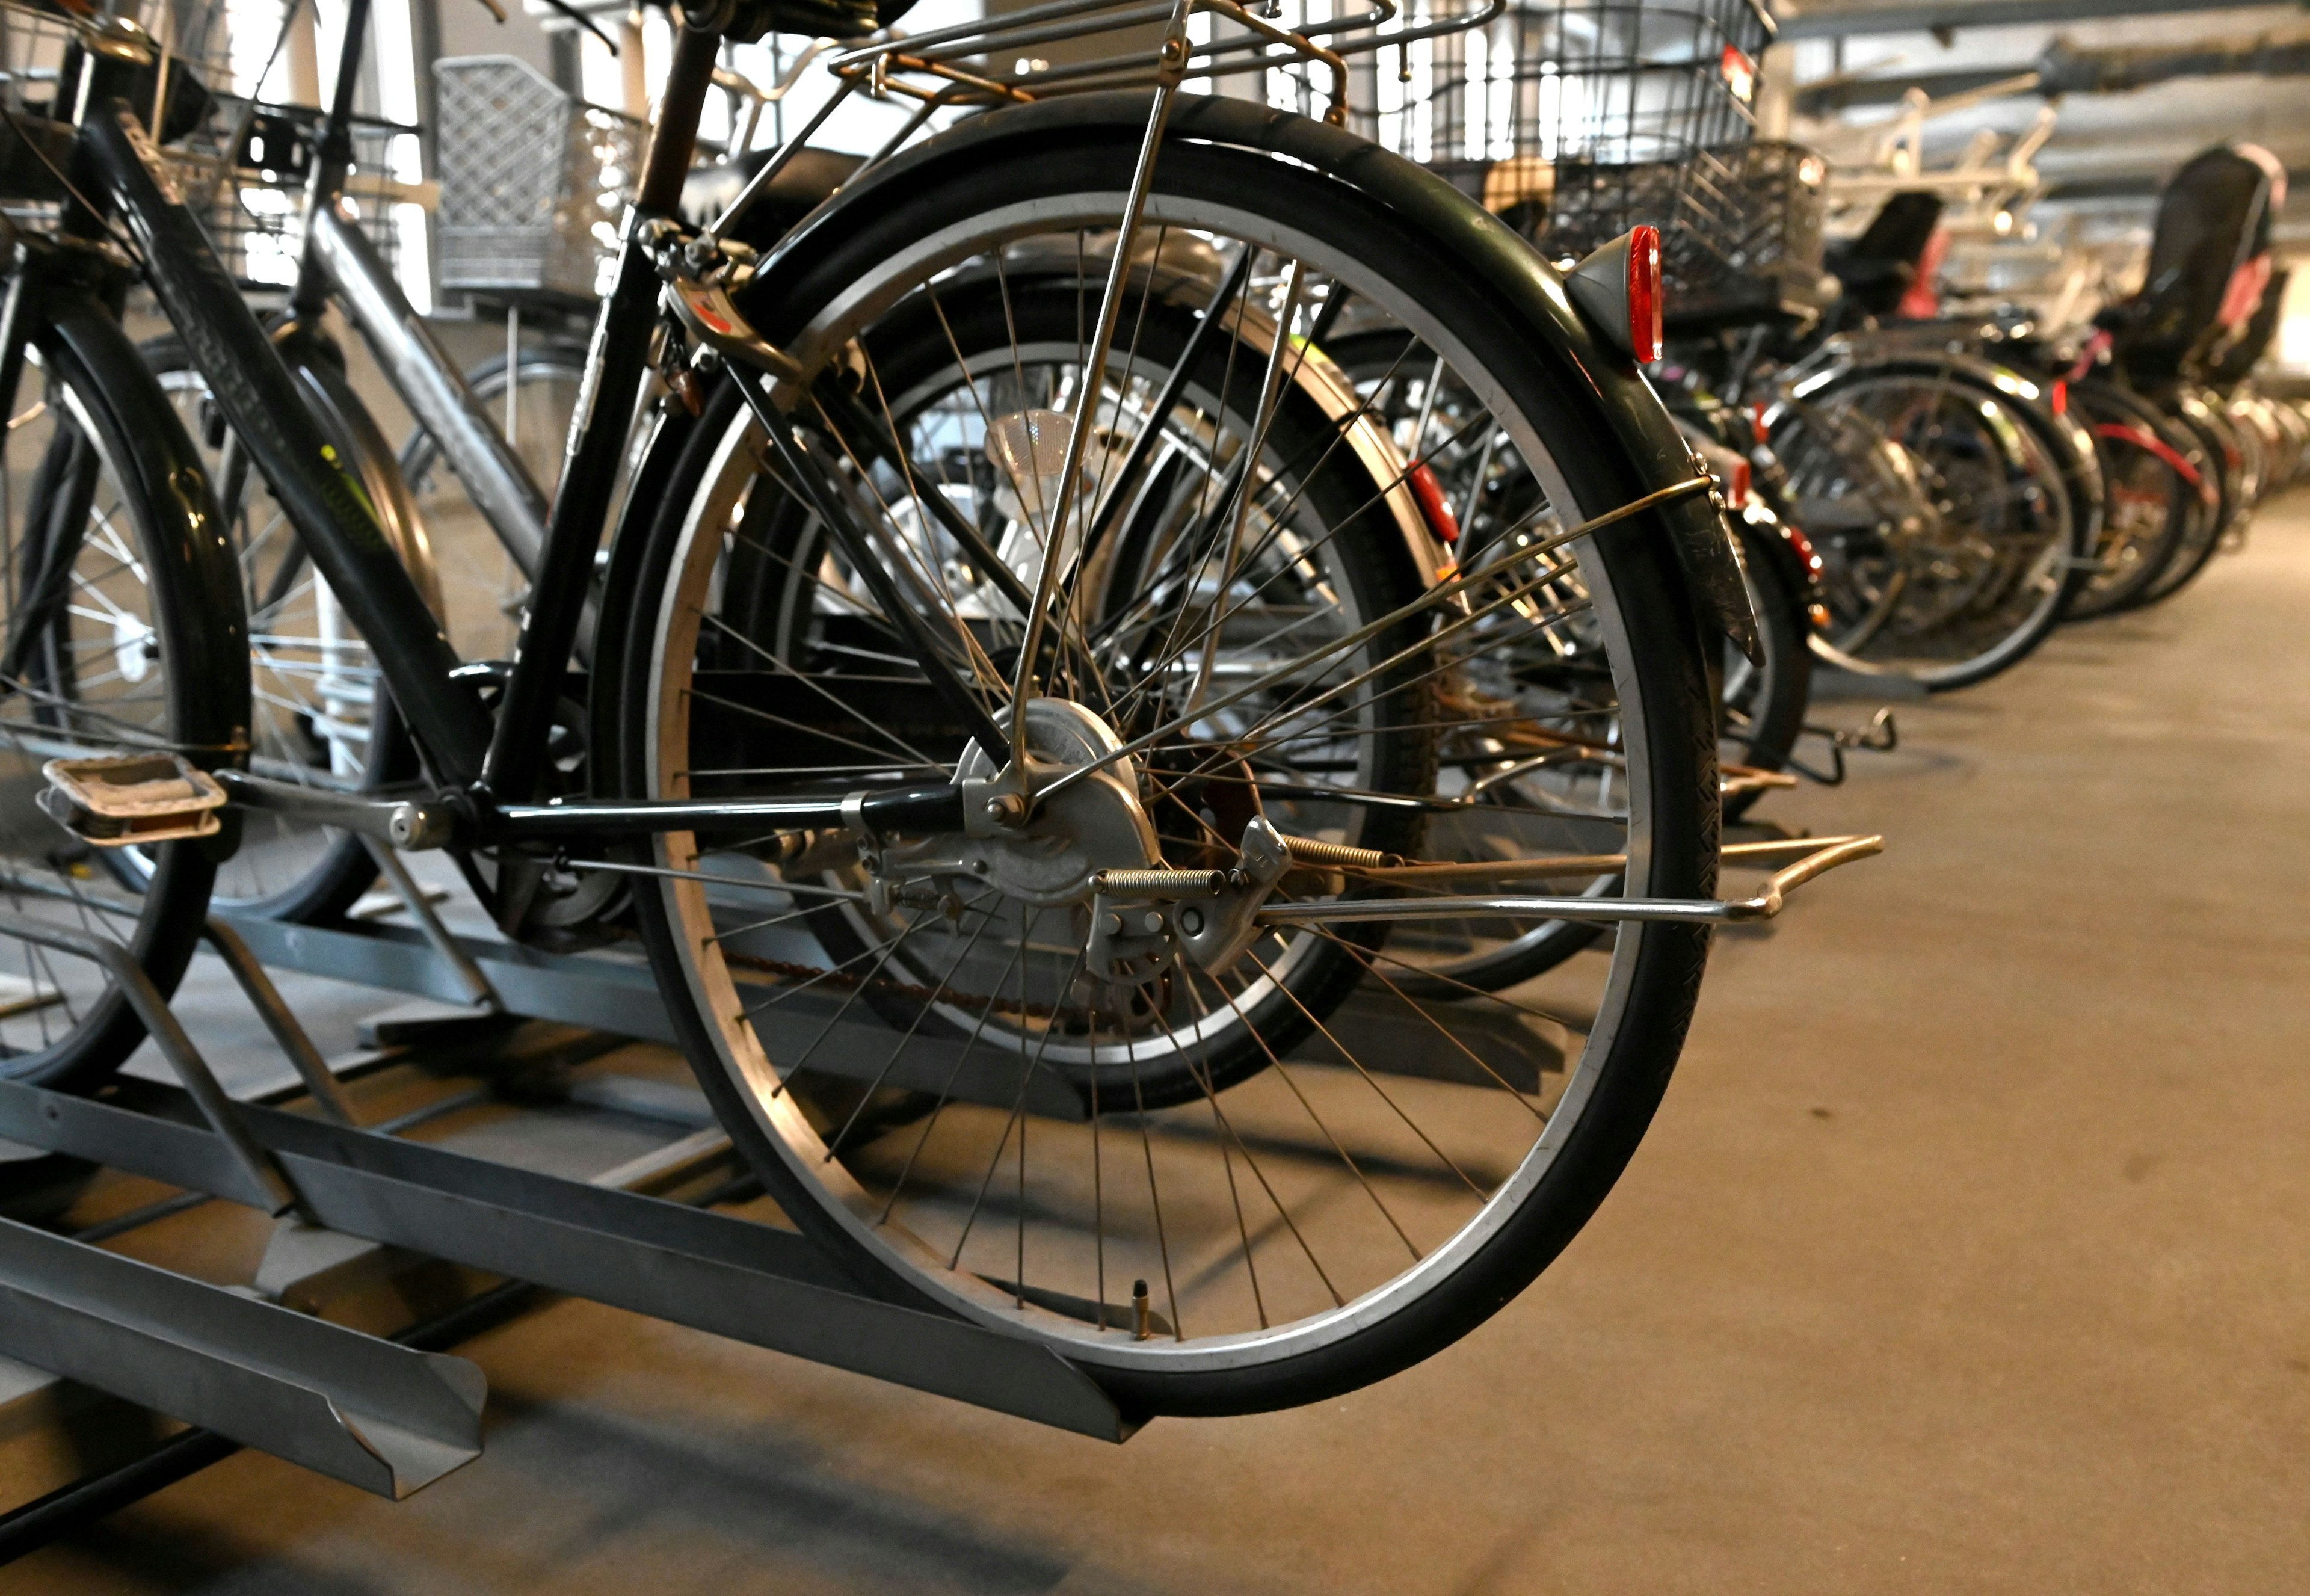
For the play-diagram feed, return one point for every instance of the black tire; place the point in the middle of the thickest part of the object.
(1764, 706)
(2220, 501)
(106, 409)
(2040, 453)
(2145, 469)
(327, 871)
(1657, 968)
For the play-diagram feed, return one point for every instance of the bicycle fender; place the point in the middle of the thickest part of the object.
(196, 544)
(1651, 455)
(319, 364)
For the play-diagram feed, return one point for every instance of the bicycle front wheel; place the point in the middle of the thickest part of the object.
(1311, 1175)
(321, 716)
(126, 637)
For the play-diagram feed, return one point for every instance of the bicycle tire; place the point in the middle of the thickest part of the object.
(335, 873)
(2220, 503)
(2142, 458)
(175, 598)
(2053, 477)
(876, 233)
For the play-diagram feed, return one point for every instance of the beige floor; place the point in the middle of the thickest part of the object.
(1971, 1252)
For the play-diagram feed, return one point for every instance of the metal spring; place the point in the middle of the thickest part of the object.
(1160, 883)
(1307, 850)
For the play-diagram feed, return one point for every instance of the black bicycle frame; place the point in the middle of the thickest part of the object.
(494, 761)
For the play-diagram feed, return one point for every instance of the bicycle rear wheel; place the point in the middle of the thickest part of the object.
(126, 620)
(2220, 500)
(1317, 1176)
(2153, 498)
(1949, 538)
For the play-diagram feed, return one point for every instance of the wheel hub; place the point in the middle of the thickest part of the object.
(1049, 859)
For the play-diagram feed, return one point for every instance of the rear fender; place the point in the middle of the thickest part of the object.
(1648, 455)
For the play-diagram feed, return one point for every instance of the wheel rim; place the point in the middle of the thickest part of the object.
(976, 1288)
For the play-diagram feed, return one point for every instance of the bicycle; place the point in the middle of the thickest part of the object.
(1011, 705)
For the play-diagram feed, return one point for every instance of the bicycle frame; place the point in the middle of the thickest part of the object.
(487, 766)
(498, 763)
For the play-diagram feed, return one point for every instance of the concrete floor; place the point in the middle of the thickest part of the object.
(1970, 1252)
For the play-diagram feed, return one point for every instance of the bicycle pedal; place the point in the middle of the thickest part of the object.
(118, 800)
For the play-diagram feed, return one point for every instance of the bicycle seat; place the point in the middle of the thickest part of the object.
(798, 189)
(813, 19)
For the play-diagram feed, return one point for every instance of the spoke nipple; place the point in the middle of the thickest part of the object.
(1140, 1313)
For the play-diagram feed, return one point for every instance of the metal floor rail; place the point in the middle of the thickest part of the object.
(362, 1408)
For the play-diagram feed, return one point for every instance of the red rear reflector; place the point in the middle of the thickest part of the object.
(1757, 421)
(2061, 398)
(1644, 294)
(1737, 490)
(1803, 546)
(1430, 493)
(1740, 72)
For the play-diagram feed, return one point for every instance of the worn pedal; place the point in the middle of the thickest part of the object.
(118, 800)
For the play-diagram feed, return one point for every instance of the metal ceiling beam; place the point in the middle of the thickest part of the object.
(1824, 21)
(2111, 184)
(1827, 99)
(2065, 69)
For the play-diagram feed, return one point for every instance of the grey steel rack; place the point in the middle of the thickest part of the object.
(253, 1369)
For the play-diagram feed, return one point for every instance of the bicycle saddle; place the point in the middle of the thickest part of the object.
(749, 19)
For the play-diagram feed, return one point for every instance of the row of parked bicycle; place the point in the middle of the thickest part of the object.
(1137, 624)
(1928, 498)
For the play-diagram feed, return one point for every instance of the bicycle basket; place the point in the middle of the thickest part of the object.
(1604, 81)
(240, 165)
(1741, 226)
(36, 49)
(533, 181)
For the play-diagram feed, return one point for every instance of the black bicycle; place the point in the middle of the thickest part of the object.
(1018, 702)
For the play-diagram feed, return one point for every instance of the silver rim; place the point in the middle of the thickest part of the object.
(1204, 1233)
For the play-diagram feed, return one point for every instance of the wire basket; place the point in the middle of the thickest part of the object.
(1610, 82)
(532, 182)
(240, 165)
(37, 49)
(1741, 226)
(244, 168)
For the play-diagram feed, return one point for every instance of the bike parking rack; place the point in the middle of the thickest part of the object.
(365, 1408)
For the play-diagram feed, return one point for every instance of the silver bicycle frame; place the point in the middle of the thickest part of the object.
(428, 382)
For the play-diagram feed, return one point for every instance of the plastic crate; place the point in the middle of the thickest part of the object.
(533, 181)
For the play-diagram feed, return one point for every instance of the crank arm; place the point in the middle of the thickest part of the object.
(1826, 854)
(409, 823)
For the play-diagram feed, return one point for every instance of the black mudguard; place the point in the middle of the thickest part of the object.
(1653, 454)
